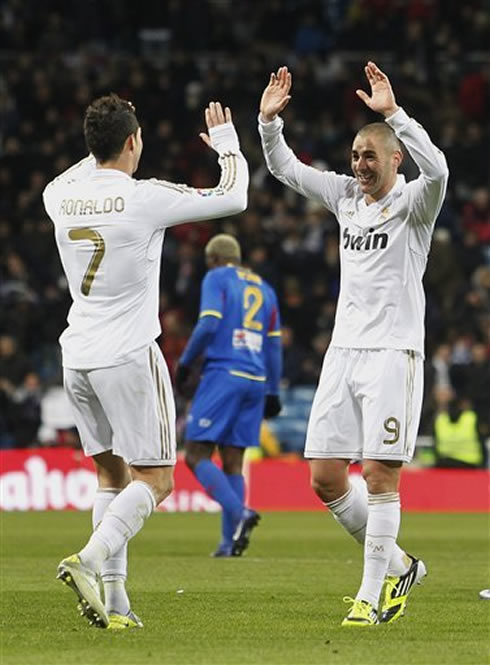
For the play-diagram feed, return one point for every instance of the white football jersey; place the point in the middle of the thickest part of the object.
(383, 246)
(109, 230)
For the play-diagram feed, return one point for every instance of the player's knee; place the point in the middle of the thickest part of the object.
(159, 479)
(322, 488)
(381, 478)
(195, 452)
(329, 486)
(232, 460)
(233, 469)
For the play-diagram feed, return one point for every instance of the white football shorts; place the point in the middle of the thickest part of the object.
(128, 409)
(367, 405)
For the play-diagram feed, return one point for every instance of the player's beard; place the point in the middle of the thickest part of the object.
(377, 182)
(368, 182)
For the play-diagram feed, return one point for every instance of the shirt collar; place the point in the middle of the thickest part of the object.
(102, 172)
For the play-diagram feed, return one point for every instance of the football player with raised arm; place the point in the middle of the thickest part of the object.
(368, 400)
(109, 229)
(239, 332)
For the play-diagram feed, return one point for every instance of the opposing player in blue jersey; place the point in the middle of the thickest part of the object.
(239, 332)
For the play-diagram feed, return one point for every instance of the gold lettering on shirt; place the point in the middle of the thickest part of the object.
(248, 276)
(80, 207)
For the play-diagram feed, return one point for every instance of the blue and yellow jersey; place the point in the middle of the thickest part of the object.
(248, 313)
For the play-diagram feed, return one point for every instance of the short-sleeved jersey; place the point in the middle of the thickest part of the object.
(248, 311)
(109, 229)
(383, 246)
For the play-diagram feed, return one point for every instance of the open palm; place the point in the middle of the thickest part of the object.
(276, 95)
(214, 116)
(382, 99)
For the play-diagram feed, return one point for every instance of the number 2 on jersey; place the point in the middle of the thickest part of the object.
(252, 302)
(99, 251)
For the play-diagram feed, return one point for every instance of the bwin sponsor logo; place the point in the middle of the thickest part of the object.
(370, 240)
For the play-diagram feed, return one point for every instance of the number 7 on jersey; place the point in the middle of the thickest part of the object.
(97, 256)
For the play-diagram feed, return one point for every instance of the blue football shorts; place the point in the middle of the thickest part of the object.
(226, 410)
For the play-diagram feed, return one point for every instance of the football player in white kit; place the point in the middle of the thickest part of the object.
(367, 404)
(109, 230)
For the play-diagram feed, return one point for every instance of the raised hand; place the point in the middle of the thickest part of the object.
(276, 96)
(382, 98)
(214, 116)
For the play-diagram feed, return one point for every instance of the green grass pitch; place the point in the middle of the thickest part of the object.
(281, 603)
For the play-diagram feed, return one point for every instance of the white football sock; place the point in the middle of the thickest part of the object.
(114, 570)
(116, 599)
(381, 532)
(122, 520)
(400, 562)
(103, 497)
(351, 511)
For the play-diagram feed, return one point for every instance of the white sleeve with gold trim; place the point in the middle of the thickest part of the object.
(427, 192)
(327, 187)
(167, 203)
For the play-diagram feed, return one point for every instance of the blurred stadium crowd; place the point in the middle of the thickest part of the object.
(170, 59)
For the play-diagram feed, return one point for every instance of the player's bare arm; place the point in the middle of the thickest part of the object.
(276, 95)
(215, 116)
(382, 99)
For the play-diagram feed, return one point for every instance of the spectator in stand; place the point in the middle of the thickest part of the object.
(473, 379)
(470, 253)
(441, 361)
(457, 436)
(476, 215)
(19, 397)
(293, 359)
(313, 362)
(174, 337)
(14, 364)
(24, 411)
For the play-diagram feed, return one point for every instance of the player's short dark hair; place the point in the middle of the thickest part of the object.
(384, 131)
(109, 120)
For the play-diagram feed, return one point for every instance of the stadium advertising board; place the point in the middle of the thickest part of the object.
(63, 479)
